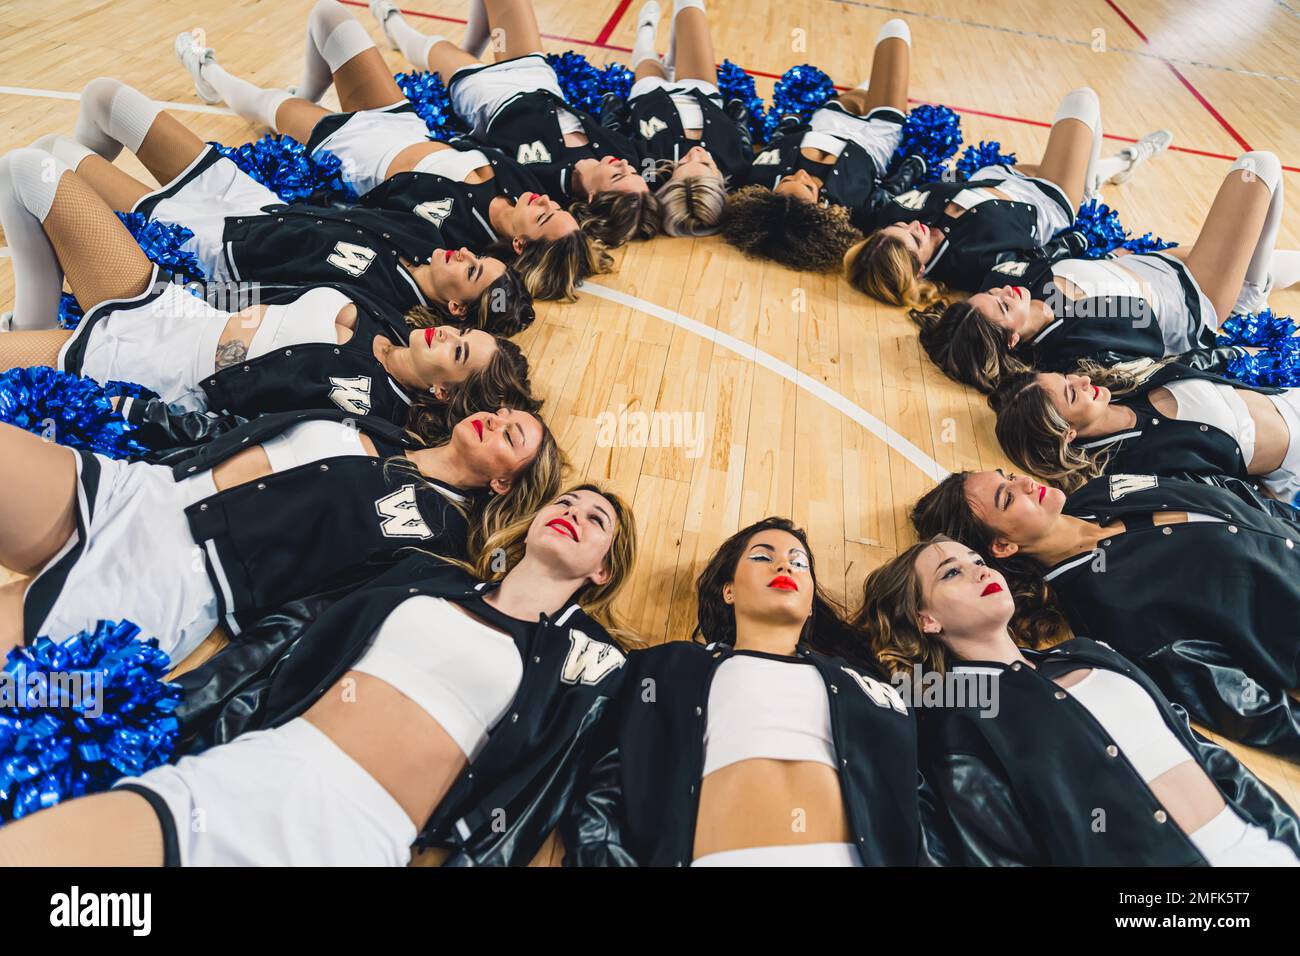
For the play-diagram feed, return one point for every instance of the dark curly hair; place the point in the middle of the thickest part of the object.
(826, 630)
(945, 510)
(965, 346)
(805, 236)
(614, 217)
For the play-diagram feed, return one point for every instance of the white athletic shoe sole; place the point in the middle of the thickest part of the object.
(6, 321)
(381, 10)
(192, 57)
(1252, 298)
(648, 15)
(1137, 154)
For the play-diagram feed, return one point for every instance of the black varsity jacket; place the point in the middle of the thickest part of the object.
(503, 807)
(1027, 783)
(638, 804)
(655, 126)
(1208, 609)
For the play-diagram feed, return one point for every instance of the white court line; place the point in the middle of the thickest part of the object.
(857, 413)
(61, 95)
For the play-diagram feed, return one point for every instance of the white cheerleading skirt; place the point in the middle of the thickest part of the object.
(1228, 840)
(1160, 275)
(879, 132)
(131, 558)
(1050, 203)
(200, 199)
(795, 854)
(368, 142)
(166, 342)
(478, 92)
(282, 797)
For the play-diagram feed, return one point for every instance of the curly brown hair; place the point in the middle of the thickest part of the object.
(805, 236)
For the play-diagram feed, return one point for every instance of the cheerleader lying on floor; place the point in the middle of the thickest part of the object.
(1078, 735)
(426, 705)
(476, 196)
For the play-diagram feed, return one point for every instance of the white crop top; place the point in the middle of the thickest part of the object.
(1132, 720)
(1098, 277)
(763, 708)
(452, 163)
(306, 442)
(569, 122)
(689, 111)
(461, 672)
(826, 142)
(1211, 403)
(309, 318)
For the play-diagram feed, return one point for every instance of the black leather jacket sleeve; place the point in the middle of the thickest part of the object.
(592, 827)
(1202, 676)
(1214, 360)
(934, 844)
(986, 825)
(168, 426)
(1245, 791)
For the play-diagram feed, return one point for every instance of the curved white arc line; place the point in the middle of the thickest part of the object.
(871, 423)
(62, 95)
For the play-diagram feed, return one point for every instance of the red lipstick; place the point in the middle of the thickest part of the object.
(1095, 391)
(448, 255)
(1042, 493)
(429, 333)
(478, 427)
(562, 526)
(783, 582)
(992, 588)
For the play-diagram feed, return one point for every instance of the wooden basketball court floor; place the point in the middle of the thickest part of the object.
(812, 401)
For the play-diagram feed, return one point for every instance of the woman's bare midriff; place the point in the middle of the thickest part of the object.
(1189, 796)
(761, 802)
(1272, 436)
(253, 463)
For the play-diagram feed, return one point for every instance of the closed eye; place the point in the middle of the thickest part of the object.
(950, 573)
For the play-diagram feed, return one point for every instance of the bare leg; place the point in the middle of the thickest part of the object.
(1222, 253)
(694, 58)
(37, 513)
(169, 148)
(445, 58)
(1073, 145)
(297, 118)
(891, 67)
(365, 83)
(118, 828)
(114, 115)
(11, 614)
(518, 25)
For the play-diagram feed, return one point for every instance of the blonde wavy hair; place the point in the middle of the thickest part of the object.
(692, 206)
(885, 269)
(597, 600)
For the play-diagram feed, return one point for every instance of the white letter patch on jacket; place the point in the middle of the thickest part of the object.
(588, 661)
(651, 126)
(534, 152)
(882, 695)
(351, 258)
(769, 157)
(1121, 485)
(351, 394)
(401, 514)
(913, 199)
(435, 210)
(1012, 268)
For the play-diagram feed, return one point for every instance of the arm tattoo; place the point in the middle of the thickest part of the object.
(232, 353)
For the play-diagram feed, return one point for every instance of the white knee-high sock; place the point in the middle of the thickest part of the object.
(1082, 105)
(415, 46)
(29, 179)
(477, 30)
(65, 148)
(643, 47)
(334, 36)
(251, 102)
(113, 115)
(1266, 167)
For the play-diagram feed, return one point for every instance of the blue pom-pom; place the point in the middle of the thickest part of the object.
(162, 242)
(116, 389)
(1105, 233)
(85, 713)
(933, 133)
(428, 95)
(70, 311)
(67, 409)
(735, 84)
(283, 165)
(801, 91)
(1278, 367)
(580, 82)
(974, 158)
(614, 78)
(1264, 329)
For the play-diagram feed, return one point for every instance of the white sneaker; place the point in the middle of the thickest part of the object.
(1141, 151)
(192, 57)
(648, 15)
(6, 321)
(1253, 297)
(381, 10)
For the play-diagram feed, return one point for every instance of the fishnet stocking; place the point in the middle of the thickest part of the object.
(107, 829)
(25, 349)
(99, 257)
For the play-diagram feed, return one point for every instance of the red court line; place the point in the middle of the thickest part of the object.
(601, 44)
(612, 22)
(1183, 80)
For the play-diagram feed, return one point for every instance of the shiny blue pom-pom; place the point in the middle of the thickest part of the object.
(580, 82)
(66, 409)
(615, 78)
(1100, 225)
(83, 714)
(1264, 329)
(735, 84)
(70, 311)
(933, 133)
(800, 92)
(283, 165)
(162, 242)
(986, 153)
(428, 95)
